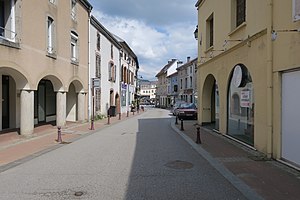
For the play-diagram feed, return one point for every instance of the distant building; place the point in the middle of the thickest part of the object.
(148, 90)
(187, 81)
(162, 98)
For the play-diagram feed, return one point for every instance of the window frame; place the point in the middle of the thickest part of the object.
(240, 15)
(74, 47)
(50, 35)
(210, 31)
(295, 12)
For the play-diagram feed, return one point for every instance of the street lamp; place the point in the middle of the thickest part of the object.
(196, 33)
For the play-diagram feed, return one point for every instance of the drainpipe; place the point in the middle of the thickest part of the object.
(269, 79)
(89, 66)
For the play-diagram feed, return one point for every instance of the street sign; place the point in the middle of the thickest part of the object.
(95, 82)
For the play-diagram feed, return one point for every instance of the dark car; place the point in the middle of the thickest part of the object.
(187, 110)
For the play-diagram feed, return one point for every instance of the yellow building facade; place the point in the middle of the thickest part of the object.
(247, 62)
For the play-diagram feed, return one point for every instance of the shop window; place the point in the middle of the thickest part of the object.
(241, 105)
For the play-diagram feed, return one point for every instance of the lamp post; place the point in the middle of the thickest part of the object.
(196, 33)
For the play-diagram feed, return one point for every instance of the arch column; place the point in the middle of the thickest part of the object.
(81, 105)
(61, 102)
(27, 112)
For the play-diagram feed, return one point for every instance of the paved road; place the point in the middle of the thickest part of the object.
(140, 158)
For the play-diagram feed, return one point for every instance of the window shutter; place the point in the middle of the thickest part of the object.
(109, 72)
(115, 73)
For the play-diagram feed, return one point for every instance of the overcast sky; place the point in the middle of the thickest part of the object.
(156, 30)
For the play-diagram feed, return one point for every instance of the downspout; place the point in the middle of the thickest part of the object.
(269, 79)
(89, 66)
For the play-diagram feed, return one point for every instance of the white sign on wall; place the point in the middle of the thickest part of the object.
(245, 98)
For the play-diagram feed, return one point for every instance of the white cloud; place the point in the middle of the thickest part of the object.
(153, 46)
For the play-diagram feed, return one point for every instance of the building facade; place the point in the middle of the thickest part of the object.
(148, 90)
(173, 87)
(44, 67)
(162, 98)
(248, 67)
(128, 76)
(187, 81)
(104, 69)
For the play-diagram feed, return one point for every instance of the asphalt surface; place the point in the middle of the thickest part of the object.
(140, 158)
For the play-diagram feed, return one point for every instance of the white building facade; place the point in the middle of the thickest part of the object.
(104, 69)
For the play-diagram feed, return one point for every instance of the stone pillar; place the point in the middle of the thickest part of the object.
(61, 102)
(27, 112)
(81, 105)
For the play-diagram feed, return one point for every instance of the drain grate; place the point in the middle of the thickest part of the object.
(178, 164)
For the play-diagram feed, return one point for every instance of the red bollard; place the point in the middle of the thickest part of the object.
(108, 119)
(92, 125)
(59, 134)
(198, 141)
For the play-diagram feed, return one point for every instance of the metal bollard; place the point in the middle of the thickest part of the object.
(127, 114)
(181, 128)
(59, 134)
(176, 120)
(119, 116)
(108, 119)
(92, 125)
(133, 112)
(198, 141)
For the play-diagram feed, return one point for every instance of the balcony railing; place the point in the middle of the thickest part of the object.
(8, 34)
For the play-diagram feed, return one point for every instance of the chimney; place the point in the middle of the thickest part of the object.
(188, 59)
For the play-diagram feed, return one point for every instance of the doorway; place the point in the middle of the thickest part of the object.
(5, 102)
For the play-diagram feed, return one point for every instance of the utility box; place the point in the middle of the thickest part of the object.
(112, 111)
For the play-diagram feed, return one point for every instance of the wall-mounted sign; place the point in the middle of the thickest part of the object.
(95, 82)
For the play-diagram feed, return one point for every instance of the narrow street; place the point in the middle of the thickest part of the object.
(139, 158)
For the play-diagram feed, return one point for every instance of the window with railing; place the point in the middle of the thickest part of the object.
(7, 20)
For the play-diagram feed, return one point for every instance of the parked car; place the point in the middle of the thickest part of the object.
(175, 106)
(187, 110)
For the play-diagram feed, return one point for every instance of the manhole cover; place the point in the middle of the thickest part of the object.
(178, 164)
(78, 194)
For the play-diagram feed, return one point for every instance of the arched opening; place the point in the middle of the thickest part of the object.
(117, 100)
(111, 97)
(12, 82)
(44, 103)
(72, 103)
(210, 103)
(240, 120)
(9, 100)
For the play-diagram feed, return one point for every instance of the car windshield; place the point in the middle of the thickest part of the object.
(188, 106)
